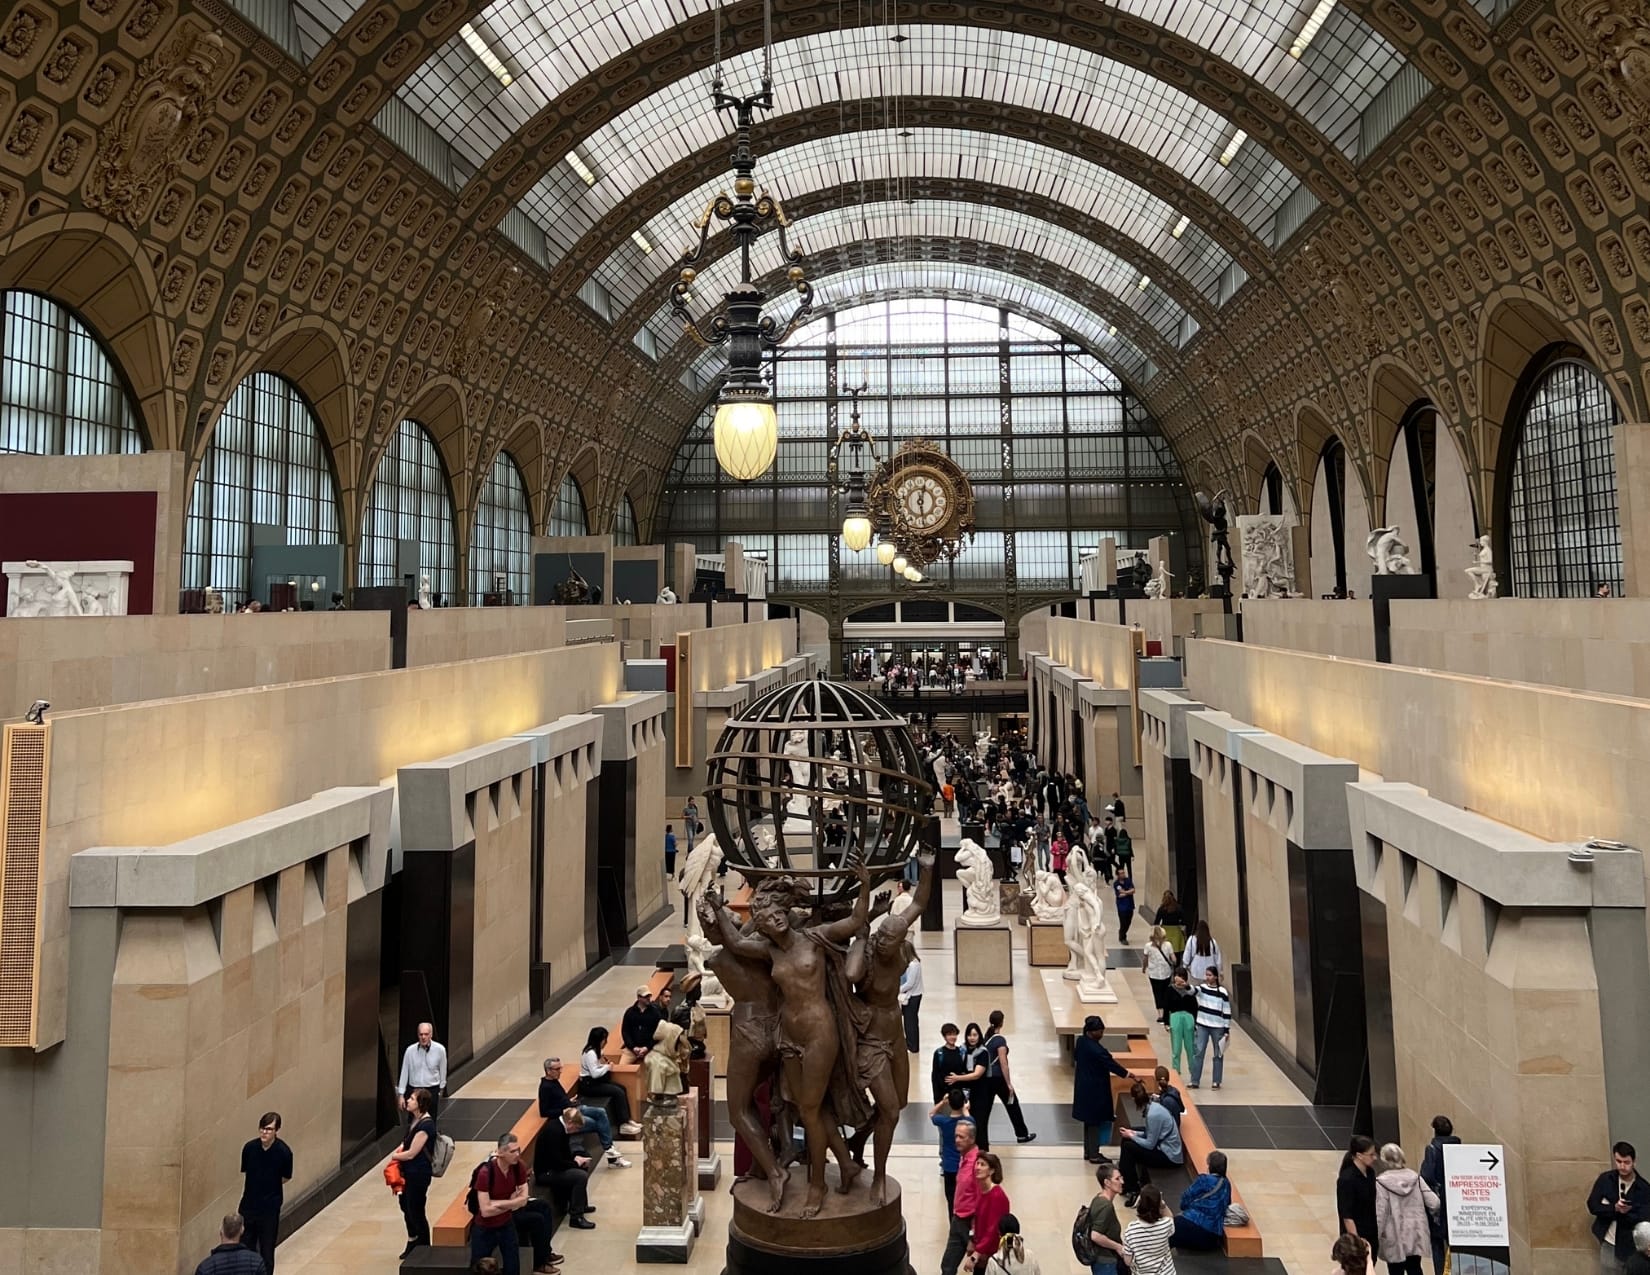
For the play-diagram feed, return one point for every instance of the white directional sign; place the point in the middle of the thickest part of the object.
(1475, 1195)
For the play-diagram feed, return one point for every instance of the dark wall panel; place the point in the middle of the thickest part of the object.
(362, 1050)
(437, 954)
(85, 526)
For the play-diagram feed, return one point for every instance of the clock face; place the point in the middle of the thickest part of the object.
(924, 500)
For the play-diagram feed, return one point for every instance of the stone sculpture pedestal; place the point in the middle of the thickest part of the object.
(851, 1235)
(1096, 991)
(984, 956)
(1046, 944)
(672, 1210)
(709, 1161)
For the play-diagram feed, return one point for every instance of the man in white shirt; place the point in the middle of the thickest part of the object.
(423, 1066)
(910, 1001)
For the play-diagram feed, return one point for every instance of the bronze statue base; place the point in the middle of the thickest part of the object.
(850, 1236)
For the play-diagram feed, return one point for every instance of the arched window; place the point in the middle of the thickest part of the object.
(1332, 488)
(568, 516)
(267, 465)
(1271, 489)
(624, 523)
(59, 393)
(410, 502)
(1563, 528)
(502, 543)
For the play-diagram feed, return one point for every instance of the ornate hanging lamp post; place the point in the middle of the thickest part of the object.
(746, 428)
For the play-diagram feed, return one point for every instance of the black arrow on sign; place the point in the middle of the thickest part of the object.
(1489, 1161)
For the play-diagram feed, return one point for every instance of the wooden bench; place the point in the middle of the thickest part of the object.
(1241, 1241)
(453, 1226)
(628, 1076)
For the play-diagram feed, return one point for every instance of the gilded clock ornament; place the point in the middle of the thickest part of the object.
(922, 500)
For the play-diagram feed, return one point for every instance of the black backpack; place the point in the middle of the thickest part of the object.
(472, 1199)
(1083, 1248)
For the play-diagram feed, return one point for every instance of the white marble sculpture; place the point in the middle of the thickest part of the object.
(983, 903)
(1086, 941)
(1078, 872)
(693, 880)
(1388, 553)
(1158, 585)
(1049, 903)
(667, 596)
(1482, 570)
(1268, 566)
(424, 601)
(796, 748)
(214, 601)
(36, 588)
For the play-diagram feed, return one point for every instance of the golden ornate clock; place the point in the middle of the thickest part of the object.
(921, 498)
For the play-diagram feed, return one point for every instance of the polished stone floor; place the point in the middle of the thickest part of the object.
(1283, 1152)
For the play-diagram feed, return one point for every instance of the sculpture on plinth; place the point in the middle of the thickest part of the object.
(425, 602)
(1268, 568)
(1158, 585)
(1086, 913)
(1078, 872)
(816, 1038)
(1482, 570)
(672, 1211)
(1213, 512)
(667, 596)
(1388, 553)
(981, 899)
(214, 601)
(55, 595)
(694, 880)
(1050, 901)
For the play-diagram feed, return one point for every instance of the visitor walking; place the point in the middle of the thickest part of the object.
(266, 1168)
(1105, 1229)
(1123, 887)
(1201, 1226)
(1402, 1203)
(1092, 1103)
(945, 1115)
(1355, 1192)
(986, 1234)
(1619, 1200)
(1172, 917)
(966, 1202)
(1214, 1025)
(1158, 961)
(417, 1147)
(670, 851)
(1146, 1239)
(1432, 1173)
(231, 1256)
(1201, 953)
(1001, 1076)
(910, 1001)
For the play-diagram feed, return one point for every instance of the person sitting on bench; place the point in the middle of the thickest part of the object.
(505, 1212)
(553, 1100)
(564, 1172)
(1155, 1145)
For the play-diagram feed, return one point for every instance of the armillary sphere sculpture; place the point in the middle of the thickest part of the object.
(816, 794)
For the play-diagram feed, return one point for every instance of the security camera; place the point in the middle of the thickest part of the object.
(37, 712)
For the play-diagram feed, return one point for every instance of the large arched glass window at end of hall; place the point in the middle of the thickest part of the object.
(412, 504)
(624, 523)
(1563, 527)
(568, 515)
(502, 543)
(266, 465)
(60, 394)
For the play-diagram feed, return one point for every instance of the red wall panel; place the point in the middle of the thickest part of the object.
(82, 526)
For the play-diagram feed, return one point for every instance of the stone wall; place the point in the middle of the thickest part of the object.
(503, 908)
(1271, 939)
(443, 635)
(93, 661)
(563, 899)
(1343, 628)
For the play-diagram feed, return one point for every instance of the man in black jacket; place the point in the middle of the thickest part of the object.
(1619, 1200)
(230, 1257)
(637, 1026)
(1432, 1173)
(553, 1100)
(567, 1174)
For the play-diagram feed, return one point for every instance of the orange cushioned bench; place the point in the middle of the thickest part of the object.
(1241, 1241)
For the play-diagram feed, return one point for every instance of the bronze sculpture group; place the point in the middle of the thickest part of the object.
(816, 1013)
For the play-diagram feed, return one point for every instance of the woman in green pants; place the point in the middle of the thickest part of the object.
(1180, 999)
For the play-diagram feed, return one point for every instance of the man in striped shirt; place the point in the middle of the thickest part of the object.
(1214, 1023)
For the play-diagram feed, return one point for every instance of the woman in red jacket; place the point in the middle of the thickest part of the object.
(1059, 851)
(988, 1214)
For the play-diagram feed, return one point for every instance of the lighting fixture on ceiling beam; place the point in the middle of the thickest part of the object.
(488, 58)
(746, 428)
(1320, 15)
(1230, 153)
(886, 549)
(1112, 331)
(576, 162)
(640, 240)
(857, 524)
(1145, 282)
(1180, 226)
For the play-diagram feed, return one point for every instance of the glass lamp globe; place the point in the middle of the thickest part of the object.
(856, 531)
(886, 552)
(900, 563)
(912, 574)
(746, 433)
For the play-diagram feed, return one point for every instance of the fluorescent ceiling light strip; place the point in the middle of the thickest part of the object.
(1238, 138)
(1180, 226)
(581, 168)
(489, 59)
(1320, 15)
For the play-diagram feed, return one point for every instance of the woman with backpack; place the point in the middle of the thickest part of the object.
(1158, 961)
(417, 1146)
